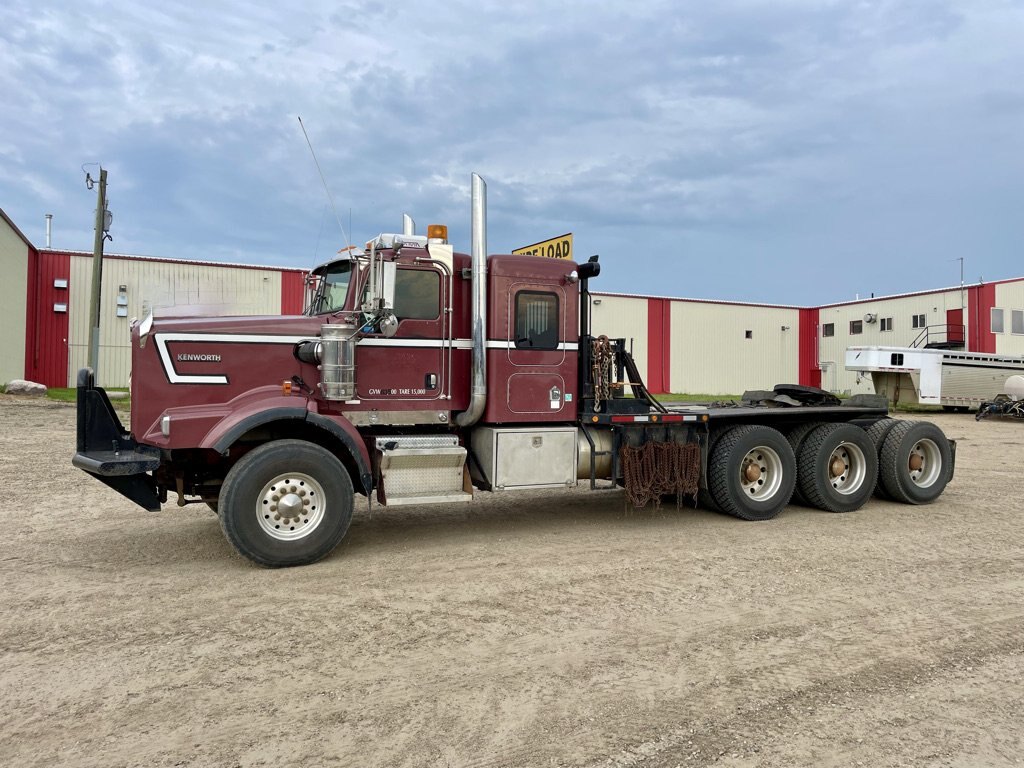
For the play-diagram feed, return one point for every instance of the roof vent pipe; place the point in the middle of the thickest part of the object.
(49, 228)
(478, 380)
(408, 225)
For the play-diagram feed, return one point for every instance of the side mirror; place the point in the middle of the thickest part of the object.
(388, 274)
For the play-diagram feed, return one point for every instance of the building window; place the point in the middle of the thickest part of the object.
(856, 326)
(748, 334)
(417, 294)
(885, 324)
(1017, 321)
(536, 320)
(918, 321)
(997, 320)
(828, 329)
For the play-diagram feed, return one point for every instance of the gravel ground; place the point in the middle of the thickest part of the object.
(541, 629)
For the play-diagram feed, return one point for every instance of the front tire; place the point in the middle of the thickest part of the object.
(288, 502)
(752, 472)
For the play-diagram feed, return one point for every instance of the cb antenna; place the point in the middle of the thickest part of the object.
(328, 191)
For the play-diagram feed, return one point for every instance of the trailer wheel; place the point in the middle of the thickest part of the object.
(751, 472)
(915, 462)
(288, 502)
(796, 437)
(837, 467)
(878, 432)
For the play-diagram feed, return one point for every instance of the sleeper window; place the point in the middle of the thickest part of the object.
(536, 322)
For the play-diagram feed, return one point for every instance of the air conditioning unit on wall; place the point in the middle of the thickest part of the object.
(870, 318)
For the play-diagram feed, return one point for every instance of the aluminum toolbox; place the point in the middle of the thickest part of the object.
(523, 457)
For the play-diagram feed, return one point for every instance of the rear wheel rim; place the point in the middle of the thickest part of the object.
(924, 463)
(291, 506)
(846, 469)
(761, 473)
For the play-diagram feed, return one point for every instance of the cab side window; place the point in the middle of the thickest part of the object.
(417, 294)
(536, 321)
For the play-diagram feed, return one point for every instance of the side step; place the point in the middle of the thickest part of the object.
(422, 469)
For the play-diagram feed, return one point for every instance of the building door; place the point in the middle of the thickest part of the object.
(955, 326)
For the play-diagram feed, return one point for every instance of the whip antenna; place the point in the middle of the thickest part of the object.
(326, 189)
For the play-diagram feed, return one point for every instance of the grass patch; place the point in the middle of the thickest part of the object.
(691, 397)
(70, 395)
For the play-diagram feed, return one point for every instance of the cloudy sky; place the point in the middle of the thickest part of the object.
(789, 151)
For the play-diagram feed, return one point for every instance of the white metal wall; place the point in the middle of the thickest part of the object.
(622, 317)
(901, 309)
(1010, 298)
(191, 289)
(14, 268)
(712, 355)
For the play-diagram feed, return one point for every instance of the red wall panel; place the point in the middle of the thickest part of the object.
(46, 348)
(807, 355)
(293, 286)
(659, 346)
(980, 300)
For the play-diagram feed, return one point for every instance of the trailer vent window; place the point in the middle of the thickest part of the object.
(918, 321)
(536, 320)
(1017, 321)
(897, 359)
(856, 326)
(997, 320)
(885, 324)
(828, 329)
(748, 334)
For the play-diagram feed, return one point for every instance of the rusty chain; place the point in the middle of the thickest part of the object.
(602, 370)
(660, 469)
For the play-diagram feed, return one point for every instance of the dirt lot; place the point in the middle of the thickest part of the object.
(544, 630)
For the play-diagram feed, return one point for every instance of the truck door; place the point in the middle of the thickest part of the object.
(532, 362)
(409, 369)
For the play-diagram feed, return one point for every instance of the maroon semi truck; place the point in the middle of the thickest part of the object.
(417, 375)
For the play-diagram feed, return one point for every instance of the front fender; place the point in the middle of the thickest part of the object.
(282, 408)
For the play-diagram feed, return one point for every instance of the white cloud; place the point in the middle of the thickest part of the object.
(738, 128)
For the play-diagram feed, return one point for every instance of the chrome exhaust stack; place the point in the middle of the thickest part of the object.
(478, 380)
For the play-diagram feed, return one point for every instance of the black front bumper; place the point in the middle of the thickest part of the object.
(108, 452)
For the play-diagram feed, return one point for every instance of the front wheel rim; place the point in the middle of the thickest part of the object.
(291, 506)
(761, 473)
(924, 463)
(846, 469)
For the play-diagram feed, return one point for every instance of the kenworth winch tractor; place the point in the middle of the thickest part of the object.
(417, 375)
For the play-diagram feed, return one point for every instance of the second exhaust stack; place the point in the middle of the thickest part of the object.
(478, 378)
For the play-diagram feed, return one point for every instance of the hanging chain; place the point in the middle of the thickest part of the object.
(602, 370)
(660, 469)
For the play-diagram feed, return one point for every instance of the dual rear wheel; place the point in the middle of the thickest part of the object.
(753, 471)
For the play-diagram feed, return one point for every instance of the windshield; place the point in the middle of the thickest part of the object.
(329, 288)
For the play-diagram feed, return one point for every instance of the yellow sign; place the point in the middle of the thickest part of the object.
(556, 248)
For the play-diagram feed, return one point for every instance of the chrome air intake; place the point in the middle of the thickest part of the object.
(338, 361)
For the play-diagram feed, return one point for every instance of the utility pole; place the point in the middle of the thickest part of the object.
(97, 270)
(961, 260)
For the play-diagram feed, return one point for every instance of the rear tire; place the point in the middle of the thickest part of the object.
(796, 437)
(288, 502)
(878, 432)
(915, 462)
(837, 467)
(752, 472)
